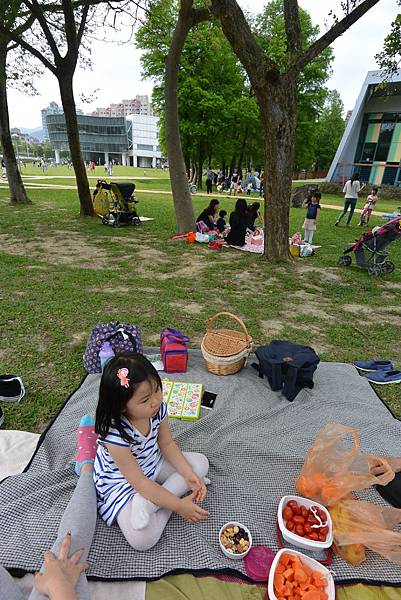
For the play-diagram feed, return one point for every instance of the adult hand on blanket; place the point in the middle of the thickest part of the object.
(190, 511)
(377, 467)
(196, 484)
(61, 574)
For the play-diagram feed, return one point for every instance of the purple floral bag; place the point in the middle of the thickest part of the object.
(122, 337)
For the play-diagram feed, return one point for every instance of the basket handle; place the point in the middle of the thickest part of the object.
(211, 320)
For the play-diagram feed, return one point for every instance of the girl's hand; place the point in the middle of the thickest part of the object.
(190, 511)
(197, 486)
(62, 572)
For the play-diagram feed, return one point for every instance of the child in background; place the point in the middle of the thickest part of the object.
(221, 222)
(140, 473)
(312, 215)
(369, 206)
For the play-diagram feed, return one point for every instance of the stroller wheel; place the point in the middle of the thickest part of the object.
(389, 266)
(116, 224)
(344, 261)
(374, 270)
(135, 221)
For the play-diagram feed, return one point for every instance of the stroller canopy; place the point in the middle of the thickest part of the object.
(126, 189)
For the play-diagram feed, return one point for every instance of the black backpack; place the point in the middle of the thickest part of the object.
(288, 367)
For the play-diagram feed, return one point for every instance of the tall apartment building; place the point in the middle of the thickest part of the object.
(134, 106)
(52, 109)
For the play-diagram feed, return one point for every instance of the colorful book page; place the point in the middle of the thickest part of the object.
(183, 399)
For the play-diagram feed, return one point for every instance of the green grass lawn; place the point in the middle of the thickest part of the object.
(62, 274)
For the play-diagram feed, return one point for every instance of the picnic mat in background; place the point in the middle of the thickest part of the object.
(255, 441)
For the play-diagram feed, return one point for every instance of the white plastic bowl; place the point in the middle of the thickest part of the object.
(231, 554)
(297, 540)
(309, 562)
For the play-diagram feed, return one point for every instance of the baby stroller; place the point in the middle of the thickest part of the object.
(115, 203)
(369, 250)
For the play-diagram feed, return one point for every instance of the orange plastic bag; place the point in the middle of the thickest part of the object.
(191, 237)
(335, 466)
(356, 522)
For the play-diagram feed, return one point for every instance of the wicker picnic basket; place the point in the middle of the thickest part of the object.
(225, 350)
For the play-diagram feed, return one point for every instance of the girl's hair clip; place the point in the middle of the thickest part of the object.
(122, 375)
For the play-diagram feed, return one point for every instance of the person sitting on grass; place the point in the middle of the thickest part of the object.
(207, 218)
(238, 223)
(221, 222)
(253, 214)
(141, 475)
(62, 574)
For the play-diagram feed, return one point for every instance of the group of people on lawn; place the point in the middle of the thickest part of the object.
(242, 218)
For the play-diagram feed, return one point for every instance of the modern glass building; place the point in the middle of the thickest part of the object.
(103, 139)
(131, 140)
(371, 143)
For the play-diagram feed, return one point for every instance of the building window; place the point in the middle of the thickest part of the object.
(145, 147)
(383, 144)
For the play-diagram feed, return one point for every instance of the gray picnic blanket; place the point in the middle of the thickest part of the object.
(256, 443)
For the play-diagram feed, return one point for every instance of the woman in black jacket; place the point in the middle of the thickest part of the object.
(238, 223)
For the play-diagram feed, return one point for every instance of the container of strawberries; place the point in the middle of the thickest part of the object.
(305, 523)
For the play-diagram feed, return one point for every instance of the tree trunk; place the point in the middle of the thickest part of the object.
(70, 114)
(17, 190)
(199, 166)
(277, 104)
(184, 212)
(242, 151)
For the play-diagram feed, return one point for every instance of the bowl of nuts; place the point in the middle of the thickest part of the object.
(235, 540)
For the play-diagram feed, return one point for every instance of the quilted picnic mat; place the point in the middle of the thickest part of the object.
(255, 441)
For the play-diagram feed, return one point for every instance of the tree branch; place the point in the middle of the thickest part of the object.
(82, 24)
(37, 11)
(10, 35)
(330, 36)
(70, 29)
(239, 34)
(201, 14)
(292, 28)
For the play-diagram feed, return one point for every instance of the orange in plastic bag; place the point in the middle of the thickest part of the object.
(335, 466)
(191, 237)
(357, 523)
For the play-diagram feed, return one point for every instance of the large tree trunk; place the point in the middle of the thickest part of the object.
(184, 212)
(68, 102)
(277, 104)
(17, 190)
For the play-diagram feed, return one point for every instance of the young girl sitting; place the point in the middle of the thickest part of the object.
(312, 215)
(369, 206)
(140, 473)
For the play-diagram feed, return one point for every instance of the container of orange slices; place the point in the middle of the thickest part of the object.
(294, 575)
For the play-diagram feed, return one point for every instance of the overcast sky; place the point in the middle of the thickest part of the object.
(117, 69)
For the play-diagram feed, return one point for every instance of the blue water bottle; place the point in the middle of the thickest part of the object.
(106, 352)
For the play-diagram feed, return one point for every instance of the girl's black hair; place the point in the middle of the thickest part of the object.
(355, 176)
(241, 206)
(213, 203)
(222, 213)
(254, 207)
(113, 396)
(316, 195)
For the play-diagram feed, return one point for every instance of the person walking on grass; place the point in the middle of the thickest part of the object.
(369, 206)
(351, 190)
(209, 179)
